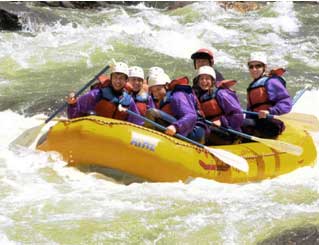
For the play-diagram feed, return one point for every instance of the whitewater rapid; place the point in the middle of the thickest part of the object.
(43, 201)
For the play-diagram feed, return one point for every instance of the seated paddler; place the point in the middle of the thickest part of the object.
(219, 104)
(139, 89)
(266, 94)
(175, 107)
(104, 101)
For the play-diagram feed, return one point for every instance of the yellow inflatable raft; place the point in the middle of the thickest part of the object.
(154, 156)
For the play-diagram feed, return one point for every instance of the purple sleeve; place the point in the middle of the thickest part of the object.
(85, 103)
(183, 108)
(233, 116)
(131, 118)
(150, 102)
(278, 94)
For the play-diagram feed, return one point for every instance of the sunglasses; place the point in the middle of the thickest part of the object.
(258, 66)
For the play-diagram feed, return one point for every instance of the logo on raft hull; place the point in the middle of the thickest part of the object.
(144, 141)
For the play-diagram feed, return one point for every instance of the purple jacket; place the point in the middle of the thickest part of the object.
(88, 101)
(228, 101)
(233, 116)
(183, 108)
(150, 102)
(278, 94)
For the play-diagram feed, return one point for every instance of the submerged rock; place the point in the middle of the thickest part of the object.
(9, 21)
(301, 236)
(242, 7)
(24, 16)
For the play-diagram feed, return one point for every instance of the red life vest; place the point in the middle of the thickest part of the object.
(210, 107)
(257, 94)
(141, 102)
(178, 84)
(164, 104)
(108, 105)
(103, 81)
(208, 103)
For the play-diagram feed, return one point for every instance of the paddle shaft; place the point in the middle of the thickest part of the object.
(247, 136)
(77, 94)
(227, 157)
(275, 144)
(299, 94)
(294, 101)
(269, 116)
(159, 126)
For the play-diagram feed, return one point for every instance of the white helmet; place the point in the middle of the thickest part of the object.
(119, 67)
(158, 79)
(155, 70)
(136, 71)
(207, 70)
(259, 57)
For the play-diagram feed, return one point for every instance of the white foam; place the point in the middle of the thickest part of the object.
(308, 103)
(286, 20)
(3, 81)
(4, 240)
(161, 32)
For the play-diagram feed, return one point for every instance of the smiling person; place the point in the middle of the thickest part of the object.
(104, 101)
(219, 104)
(266, 94)
(205, 57)
(139, 90)
(175, 107)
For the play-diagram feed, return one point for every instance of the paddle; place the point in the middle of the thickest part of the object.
(299, 94)
(28, 136)
(305, 121)
(225, 156)
(275, 144)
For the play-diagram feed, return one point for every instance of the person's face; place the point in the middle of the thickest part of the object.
(201, 62)
(205, 82)
(256, 69)
(136, 83)
(118, 81)
(158, 91)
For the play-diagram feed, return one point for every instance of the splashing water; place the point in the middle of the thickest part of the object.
(43, 201)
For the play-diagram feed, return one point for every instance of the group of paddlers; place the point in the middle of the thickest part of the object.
(199, 111)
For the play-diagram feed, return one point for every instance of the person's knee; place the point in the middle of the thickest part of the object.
(269, 128)
(198, 134)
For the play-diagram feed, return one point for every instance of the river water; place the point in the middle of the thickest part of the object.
(45, 202)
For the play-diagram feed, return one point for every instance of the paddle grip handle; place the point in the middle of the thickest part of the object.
(77, 93)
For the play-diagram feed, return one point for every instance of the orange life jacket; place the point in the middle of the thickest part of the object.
(178, 84)
(108, 105)
(103, 81)
(208, 103)
(257, 94)
(141, 102)
(210, 107)
(183, 81)
(164, 104)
